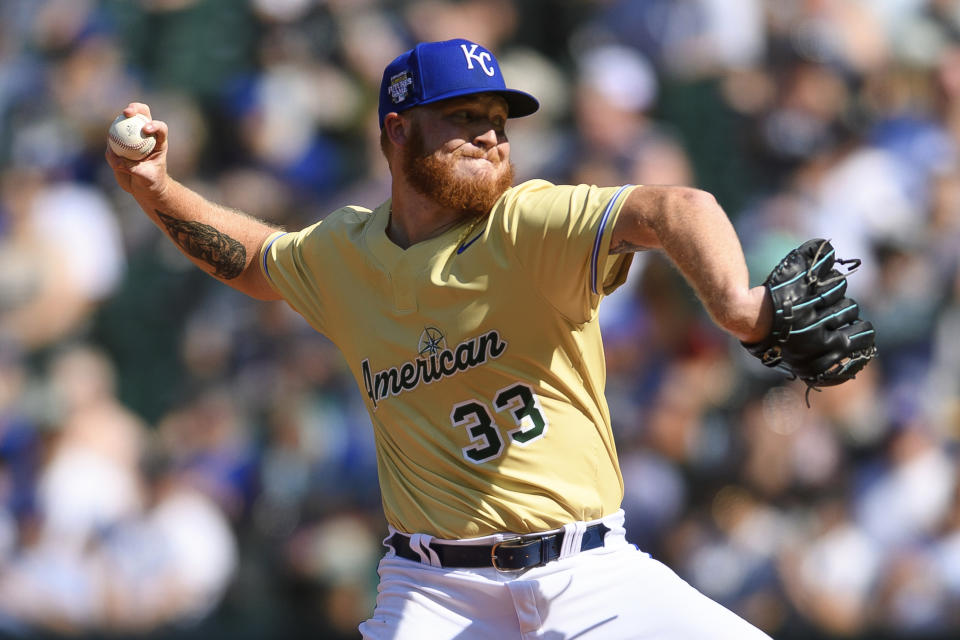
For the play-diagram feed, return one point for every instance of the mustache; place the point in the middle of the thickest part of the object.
(492, 155)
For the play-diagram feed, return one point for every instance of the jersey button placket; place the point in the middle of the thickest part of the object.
(404, 288)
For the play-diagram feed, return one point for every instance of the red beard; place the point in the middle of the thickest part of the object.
(435, 176)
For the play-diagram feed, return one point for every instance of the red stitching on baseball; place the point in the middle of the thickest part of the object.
(124, 144)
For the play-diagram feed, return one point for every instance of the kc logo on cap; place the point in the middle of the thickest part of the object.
(482, 59)
(435, 71)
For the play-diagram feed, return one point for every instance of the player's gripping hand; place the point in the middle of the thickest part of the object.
(146, 177)
(817, 333)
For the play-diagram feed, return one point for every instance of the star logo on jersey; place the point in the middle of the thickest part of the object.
(432, 342)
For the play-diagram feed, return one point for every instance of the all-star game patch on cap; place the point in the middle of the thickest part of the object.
(434, 71)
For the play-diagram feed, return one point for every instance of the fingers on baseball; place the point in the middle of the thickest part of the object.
(137, 107)
(118, 163)
(158, 129)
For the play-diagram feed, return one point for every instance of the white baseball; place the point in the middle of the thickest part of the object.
(126, 138)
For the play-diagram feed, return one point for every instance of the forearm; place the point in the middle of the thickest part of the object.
(223, 242)
(695, 233)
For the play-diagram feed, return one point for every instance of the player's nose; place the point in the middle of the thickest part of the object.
(487, 139)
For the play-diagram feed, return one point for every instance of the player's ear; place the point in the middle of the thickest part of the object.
(397, 128)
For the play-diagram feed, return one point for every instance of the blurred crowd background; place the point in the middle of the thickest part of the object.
(179, 461)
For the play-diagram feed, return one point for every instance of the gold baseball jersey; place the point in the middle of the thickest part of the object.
(478, 353)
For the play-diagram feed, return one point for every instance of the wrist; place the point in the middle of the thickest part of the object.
(160, 190)
(753, 318)
(157, 194)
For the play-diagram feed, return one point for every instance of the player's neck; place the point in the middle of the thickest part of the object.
(415, 218)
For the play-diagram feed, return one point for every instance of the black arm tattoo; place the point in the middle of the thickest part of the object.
(226, 255)
(627, 247)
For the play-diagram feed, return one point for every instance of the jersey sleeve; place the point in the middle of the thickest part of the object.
(289, 261)
(561, 238)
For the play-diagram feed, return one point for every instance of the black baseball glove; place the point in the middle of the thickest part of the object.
(817, 333)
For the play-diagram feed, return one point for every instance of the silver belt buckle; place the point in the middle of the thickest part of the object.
(493, 553)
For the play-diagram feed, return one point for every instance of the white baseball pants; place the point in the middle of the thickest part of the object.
(610, 593)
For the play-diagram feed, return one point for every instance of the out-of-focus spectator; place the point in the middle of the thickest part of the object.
(489, 22)
(733, 555)
(830, 571)
(90, 479)
(208, 441)
(62, 253)
(113, 549)
(172, 564)
(21, 448)
(87, 483)
(912, 496)
(689, 37)
(341, 554)
(617, 140)
(912, 599)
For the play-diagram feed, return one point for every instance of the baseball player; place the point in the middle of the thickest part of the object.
(466, 308)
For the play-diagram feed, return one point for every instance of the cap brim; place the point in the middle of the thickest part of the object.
(519, 103)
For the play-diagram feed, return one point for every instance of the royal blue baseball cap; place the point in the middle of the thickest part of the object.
(434, 71)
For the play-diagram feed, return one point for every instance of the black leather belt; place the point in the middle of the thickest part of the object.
(510, 554)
